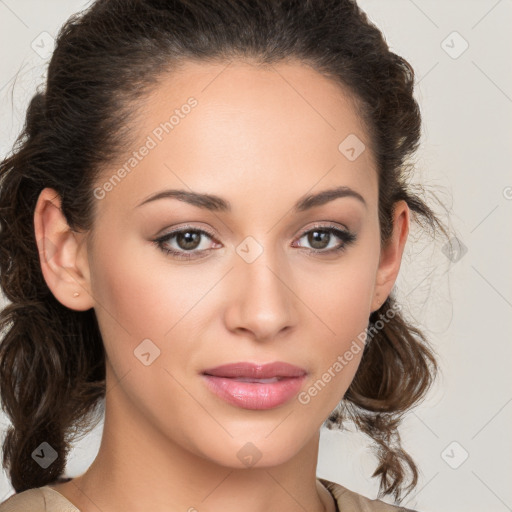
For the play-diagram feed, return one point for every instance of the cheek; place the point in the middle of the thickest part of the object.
(141, 295)
(131, 281)
(342, 300)
(126, 300)
(135, 304)
(342, 295)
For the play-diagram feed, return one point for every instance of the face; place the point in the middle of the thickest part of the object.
(258, 274)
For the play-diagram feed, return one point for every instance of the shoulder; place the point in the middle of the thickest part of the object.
(350, 500)
(32, 499)
(39, 499)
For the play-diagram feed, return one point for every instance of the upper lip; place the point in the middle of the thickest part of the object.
(256, 371)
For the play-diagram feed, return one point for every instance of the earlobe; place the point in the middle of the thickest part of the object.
(61, 253)
(391, 255)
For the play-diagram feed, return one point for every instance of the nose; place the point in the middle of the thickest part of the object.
(261, 301)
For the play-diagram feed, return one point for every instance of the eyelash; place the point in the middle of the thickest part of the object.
(347, 238)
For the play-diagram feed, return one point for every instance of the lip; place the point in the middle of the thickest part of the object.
(224, 382)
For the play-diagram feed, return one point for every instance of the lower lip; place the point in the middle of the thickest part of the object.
(253, 395)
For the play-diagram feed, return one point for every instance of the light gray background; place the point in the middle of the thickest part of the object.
(460, 436)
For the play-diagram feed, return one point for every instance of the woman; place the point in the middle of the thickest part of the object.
(202, 223)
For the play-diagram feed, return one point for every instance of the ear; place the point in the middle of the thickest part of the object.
(391, 255)
(62, 253)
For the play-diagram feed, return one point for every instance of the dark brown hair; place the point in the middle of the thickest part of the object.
(52, 368)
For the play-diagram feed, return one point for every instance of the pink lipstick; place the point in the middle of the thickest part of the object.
(255, 386)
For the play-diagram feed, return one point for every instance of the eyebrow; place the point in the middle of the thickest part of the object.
(216, 203)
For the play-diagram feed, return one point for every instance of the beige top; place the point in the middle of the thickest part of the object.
(46, 499)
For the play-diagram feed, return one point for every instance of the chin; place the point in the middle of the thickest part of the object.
(259, 450)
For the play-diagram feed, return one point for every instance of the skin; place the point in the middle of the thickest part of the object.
(261, 138)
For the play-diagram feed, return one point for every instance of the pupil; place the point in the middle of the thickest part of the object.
(188, 239)
(316, 236)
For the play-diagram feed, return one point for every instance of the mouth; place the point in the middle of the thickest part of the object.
(254, 386)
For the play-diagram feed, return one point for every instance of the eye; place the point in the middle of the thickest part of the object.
(188, 242)
(187, 239)
(320, 238)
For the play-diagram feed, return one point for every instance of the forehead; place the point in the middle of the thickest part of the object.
(237, 125)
